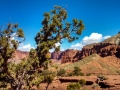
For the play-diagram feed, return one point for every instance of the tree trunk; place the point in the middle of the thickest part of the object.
(47, 86)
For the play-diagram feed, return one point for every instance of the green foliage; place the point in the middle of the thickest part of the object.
(76, 72)
(10, 37)
(56, 28)
(61, 72)
(82, 82)
(73, 86)
(28, 72)
(25, 72)
(48, 76)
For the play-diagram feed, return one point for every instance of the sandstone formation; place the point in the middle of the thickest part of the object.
(18, 55)
(56, 55)
(102, 49)
(109, 47)
(69, 55)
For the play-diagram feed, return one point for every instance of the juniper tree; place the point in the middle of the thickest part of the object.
(24, 74)
(10, 37)
(54, 29)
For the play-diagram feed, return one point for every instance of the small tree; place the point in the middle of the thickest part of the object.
(10, 37)
(77, 71)
(55, 29)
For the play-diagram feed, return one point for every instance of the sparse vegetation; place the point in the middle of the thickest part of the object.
(76, 72)
(82, 82)
(73, 86)
(61, 72)
(81, 62)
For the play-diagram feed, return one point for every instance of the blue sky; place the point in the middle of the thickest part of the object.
(100, 17)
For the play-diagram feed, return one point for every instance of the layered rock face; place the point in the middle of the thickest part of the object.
(109, 47)
(56, 55)
(69, 55)
(18, 55)
(102, 49)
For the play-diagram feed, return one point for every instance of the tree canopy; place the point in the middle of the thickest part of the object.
(55, 29)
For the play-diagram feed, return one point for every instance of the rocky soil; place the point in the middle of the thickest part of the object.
(61, 83)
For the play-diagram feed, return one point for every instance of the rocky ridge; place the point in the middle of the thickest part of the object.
(109, 47)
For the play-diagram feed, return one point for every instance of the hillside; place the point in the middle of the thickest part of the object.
(95, 64)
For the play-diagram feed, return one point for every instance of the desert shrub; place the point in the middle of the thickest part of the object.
(76, 72)
(88, 74)
(102, 77)
(82, 82)
(118, 72)
(73, 86)
(61, 72)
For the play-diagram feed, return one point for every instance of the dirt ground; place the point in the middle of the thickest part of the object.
(61, 83)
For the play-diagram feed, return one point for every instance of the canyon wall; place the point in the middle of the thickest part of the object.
(102, 49)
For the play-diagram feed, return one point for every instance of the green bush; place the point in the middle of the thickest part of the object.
(48, 76)
(73, 86)
(82, 82)
(76, 72)
(61, 72)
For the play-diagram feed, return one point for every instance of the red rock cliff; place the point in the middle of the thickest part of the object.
(18, 55)
(102, 49)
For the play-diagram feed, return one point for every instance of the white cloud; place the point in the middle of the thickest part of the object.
(77, 46)
(23, 47)
(106, 37)
(93, 38)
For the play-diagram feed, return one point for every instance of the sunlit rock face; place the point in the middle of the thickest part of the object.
(56, 55)
(19, 55)
(69, 55)
(109, 47)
